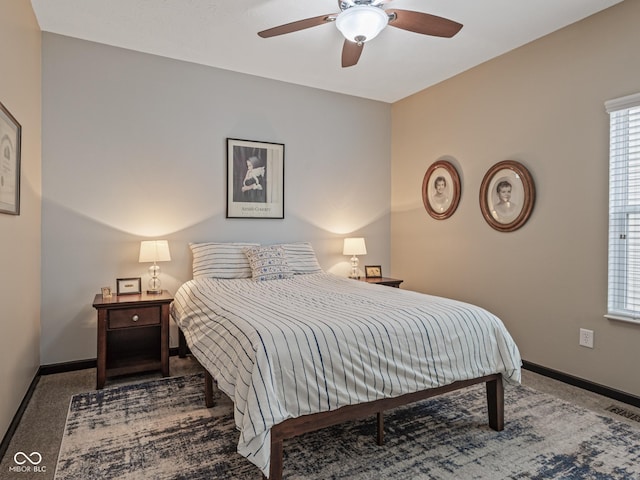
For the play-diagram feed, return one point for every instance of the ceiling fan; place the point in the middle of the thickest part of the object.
(360, 21)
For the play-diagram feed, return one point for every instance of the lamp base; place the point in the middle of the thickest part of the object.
(154, 281)
(354, 268)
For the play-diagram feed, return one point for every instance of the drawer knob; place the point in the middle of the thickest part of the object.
(135, 318)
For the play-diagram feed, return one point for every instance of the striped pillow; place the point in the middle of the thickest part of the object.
(301, 257)
(220, 260)
(268, 263)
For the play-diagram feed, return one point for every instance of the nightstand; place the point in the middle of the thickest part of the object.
(390, 282)
(133, 334)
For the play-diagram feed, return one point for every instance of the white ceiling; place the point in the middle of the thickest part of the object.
(223, 34)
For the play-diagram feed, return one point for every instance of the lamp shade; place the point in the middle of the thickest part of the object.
(154, 251)
(354, 246)
(361, 23)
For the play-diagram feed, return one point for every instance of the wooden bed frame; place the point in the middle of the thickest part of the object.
(309, 423)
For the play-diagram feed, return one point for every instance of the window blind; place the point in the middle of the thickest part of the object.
(624, 209)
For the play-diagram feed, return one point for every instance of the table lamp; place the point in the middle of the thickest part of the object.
(354, 246)
(154, 251)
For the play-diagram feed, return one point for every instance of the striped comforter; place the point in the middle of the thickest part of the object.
(285, 348)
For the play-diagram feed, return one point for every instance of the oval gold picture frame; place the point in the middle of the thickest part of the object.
(441, 190)
(507, 195)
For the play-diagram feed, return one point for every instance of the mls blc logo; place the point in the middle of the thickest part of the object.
(27, 463)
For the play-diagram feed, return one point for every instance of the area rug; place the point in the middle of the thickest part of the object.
(162, 430)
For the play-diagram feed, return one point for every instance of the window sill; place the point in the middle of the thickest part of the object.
(622, 318)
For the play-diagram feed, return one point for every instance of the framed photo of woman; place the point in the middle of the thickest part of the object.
(507, 195)
(255, 179)
(441, 190)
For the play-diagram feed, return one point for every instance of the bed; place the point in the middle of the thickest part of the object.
(298, 349)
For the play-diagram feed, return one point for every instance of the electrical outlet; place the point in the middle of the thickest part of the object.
(586, 338)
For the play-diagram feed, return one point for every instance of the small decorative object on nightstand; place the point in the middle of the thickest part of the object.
(133, 334)
(372, 271)
(390, 282)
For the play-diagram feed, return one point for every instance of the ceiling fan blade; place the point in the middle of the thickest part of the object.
(298, 25)
(351, 53)
(423, 23)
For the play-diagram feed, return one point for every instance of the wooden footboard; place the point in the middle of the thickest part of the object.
(309, 423)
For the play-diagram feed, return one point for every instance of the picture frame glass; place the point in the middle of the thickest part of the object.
(505, 196)
(441, 189)
(255, 179)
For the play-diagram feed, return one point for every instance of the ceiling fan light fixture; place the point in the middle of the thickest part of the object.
(361, 23)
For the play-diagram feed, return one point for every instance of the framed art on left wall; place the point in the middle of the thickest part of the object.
(10, 138)
(255, 179)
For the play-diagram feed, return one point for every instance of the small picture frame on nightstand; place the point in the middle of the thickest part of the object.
(106, 293)
(373, 271)
(129, 286)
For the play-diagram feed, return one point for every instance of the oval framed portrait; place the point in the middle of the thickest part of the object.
(507, 195)
(441, 190)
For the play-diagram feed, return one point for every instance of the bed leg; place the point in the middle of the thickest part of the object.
(182, 345)
(208, 389)
(380, 428)
(495, 403)
(275, 466)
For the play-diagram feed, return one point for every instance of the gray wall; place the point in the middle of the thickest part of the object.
(134, 148)
(20, 88)
(542, 105)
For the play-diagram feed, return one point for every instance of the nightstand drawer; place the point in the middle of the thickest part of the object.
(134, 317)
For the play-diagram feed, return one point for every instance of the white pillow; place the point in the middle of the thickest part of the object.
(301, 257)
(268, 263)
(221, 260)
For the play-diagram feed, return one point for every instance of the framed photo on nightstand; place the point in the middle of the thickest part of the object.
(129, 286)
(372, 271)
(106, 292)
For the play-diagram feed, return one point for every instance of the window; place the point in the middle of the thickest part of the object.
(624, 209)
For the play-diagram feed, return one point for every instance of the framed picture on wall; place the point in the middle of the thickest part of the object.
(507, 195)
(10, 139)
(441, 190)
(255, 179)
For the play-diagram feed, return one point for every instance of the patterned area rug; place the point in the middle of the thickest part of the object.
(161, 430)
